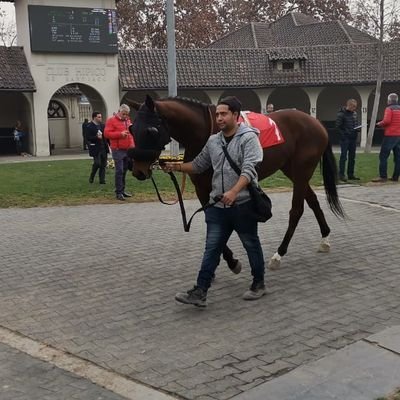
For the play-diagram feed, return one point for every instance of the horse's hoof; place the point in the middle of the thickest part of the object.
(324, 246)
(274, 262)
(237, 267)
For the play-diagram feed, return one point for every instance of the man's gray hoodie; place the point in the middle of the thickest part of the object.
(244, 149)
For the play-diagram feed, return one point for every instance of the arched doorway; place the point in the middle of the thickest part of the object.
(250, 101)
(284, 98)
(15, 106)
(58, 125)
(68, 108)
(329, 102)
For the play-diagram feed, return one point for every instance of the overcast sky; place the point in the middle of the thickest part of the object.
(9, 7)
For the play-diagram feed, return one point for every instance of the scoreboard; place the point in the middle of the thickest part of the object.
(73, 30)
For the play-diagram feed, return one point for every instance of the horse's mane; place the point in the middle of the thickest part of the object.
(192, 103)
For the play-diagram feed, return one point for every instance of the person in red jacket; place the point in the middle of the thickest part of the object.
(117, 131)
(391, 139)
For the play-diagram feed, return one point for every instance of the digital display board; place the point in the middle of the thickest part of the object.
(73, 30)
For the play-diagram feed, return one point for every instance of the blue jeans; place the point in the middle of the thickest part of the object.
(221, 222)
(120, 161)
(389, 143)
(347, 147)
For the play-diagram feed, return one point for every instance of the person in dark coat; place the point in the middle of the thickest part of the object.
(346, 125)
(98, 147)
(18, 137)
(84, 126)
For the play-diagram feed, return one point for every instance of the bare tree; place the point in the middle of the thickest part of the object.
(200, 22)
(8, 32)
(379, 18)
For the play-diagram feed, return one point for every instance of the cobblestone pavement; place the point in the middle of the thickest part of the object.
(25, 378)
(99, 282)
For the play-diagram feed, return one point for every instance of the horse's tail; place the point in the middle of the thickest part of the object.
(329, 173)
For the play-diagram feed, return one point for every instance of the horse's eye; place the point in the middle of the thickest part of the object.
(152, 130)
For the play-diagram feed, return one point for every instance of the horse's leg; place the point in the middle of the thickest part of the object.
(313, 203)
(299, 190)
(233, 263)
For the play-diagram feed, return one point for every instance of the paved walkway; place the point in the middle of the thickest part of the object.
(96, 283)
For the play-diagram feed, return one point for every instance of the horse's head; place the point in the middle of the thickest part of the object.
(151, 134)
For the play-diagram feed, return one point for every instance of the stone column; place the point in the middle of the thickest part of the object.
(263, 95)
(214, 95)
(364, 92)
(40, 124)
(313, 93)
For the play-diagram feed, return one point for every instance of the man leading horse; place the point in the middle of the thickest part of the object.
(230, 194)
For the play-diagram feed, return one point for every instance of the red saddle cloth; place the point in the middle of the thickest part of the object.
(270, 135)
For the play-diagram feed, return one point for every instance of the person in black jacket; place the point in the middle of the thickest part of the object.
(98, 147)
(346, 123)
(84, 141)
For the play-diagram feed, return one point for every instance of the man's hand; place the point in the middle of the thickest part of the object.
(229, 197)
(172, 166)
(124, 134)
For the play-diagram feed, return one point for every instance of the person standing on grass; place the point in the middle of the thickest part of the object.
(391, 139)
(117, 131)
(346, 125)
(98, 147)
(84, 135)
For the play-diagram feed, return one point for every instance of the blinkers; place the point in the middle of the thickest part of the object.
(150, 131)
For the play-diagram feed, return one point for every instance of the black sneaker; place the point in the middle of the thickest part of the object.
(342, 178)
(256, 291)
(196, 296)
(354, 178)
(120, 197)
(394, 179)
(126, 194)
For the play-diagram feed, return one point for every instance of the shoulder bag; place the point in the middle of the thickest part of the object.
(260, 204)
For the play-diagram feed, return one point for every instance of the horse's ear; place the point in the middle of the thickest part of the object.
(149, 103)
(133, 104)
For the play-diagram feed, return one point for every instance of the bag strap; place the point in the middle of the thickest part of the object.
(231, 162)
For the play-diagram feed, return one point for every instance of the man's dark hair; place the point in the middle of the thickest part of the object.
(95, 114)
(233, 103)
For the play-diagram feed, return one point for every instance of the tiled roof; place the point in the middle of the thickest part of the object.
(68, 90)
(303, 19)
(147, 68)
(252, 68)
(292, 53)
(14, 71)
(243, 37)
(294, 29)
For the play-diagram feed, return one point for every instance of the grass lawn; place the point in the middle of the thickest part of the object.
(44, 183)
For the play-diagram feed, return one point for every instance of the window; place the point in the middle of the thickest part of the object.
(288, 66)
(55, 110)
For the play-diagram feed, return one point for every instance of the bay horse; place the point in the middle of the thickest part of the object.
(191, 123)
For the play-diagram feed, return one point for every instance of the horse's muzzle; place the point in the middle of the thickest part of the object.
(139, 175)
